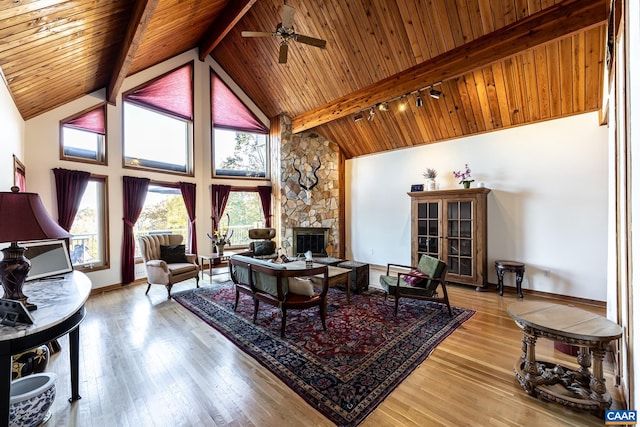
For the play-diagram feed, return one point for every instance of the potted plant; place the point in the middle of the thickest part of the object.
(464, 176)
(221, 238)
(430, 175)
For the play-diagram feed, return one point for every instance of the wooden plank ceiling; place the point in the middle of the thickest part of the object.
(53, 51)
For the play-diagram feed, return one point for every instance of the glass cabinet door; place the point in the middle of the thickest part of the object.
(460, 238)
(429, 229)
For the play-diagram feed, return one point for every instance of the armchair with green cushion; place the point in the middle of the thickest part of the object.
(419, 282)
(262, 246)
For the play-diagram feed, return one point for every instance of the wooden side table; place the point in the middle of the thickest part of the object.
(577, 389)
(513, 267)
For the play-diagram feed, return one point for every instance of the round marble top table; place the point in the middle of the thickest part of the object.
(60, 302)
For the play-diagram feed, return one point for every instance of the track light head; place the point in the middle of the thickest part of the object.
(357, 117)
(434, 93)
(372, 113)
(403, 103)
(418, 100)
(383, 106)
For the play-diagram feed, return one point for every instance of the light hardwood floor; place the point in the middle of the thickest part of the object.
(146, 361)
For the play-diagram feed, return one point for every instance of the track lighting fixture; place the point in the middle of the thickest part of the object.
(357, 117)
(434, 93)
(383, 106)
(418, 100)
(372, 113)
(403, 103)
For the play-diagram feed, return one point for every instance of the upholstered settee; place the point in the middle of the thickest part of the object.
(287, 289)
(166, 262)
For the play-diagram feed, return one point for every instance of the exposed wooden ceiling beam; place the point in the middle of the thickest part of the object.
(229, 17)
(545, 26)
(140, 19)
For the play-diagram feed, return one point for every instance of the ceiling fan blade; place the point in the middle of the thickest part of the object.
(282, 56)
(311, 41)
(287, 16)
(257, 34)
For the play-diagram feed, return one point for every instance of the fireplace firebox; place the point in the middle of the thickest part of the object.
(312, 239)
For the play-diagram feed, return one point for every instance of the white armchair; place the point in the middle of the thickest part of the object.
(161, 272)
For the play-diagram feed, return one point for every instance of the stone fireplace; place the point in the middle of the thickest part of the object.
(312, 239)
(309, 218)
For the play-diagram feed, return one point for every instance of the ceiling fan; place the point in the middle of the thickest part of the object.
(285, 31)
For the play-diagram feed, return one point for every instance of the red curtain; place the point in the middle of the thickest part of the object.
(91, 121)
(70, 186)
(228, 112)
(171, 93)
(188, 191)
(265, 199)
(135, 193)
(219, 197)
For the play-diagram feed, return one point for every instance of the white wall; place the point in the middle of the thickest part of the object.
(11, 136)
(42, 155)
(633, 105)
(547, 207)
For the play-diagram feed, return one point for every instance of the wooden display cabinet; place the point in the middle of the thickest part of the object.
(452, 225)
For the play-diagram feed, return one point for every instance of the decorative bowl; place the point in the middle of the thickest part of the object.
(31, 398)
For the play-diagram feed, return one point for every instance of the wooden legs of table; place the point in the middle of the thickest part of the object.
(579, 389)
(510, 266)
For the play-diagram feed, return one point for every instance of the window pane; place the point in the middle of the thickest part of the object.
(82, 144)
(88, 242)
(164, 212)
(245, 212)
(239, 153)
(157, 141)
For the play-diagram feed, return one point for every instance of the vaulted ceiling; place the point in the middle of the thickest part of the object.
(498, 63)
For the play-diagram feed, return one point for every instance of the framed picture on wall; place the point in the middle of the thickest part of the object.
(417, 187)
(19, 174)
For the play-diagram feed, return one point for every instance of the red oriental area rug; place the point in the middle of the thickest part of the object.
(346, 371)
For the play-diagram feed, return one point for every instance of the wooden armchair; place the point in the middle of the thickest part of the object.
(175, 266)
(419, 282)
(274, 284)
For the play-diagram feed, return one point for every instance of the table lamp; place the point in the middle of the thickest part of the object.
(23, 217)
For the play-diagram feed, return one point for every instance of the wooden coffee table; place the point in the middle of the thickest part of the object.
(213, 257)
(337, 275)
(579, 389)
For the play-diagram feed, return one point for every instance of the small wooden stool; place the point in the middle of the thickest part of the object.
(513, 267)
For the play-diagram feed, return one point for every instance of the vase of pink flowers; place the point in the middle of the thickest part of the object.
(464, 176)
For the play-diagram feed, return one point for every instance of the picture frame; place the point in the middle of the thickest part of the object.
(417, 187)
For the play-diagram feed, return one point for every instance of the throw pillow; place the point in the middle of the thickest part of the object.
(301, 286)
(266, 247)
(415, 281)
(172, 254)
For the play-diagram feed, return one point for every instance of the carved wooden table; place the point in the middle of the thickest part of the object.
(579, 389)
(511, 266)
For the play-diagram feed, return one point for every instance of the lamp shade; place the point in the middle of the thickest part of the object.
(23, 217)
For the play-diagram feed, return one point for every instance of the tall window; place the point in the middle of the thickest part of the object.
(89, 242)
(158, 123)
(82, 137)
(245, 212)
(240, 140)
(163, 212)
